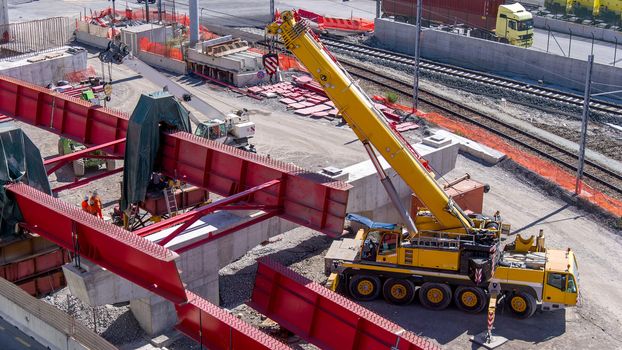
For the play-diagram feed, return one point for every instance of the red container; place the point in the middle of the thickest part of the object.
(473, 13)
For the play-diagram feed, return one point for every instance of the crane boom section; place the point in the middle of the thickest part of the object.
(365, 120)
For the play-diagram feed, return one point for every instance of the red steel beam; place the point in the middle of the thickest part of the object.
(228, 231)
(307, 198)
(218, 329)
(140, 261)
(322, 317)
(62, 160)
(122, 252)
(198, 213)
(86, 181)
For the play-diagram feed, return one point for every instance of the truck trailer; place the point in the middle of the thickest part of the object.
(486, 19)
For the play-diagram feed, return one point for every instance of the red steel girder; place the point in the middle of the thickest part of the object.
(218, 329)
(64, 115)
(140, 261)
(86, 181)
(62, 160)
(125, 254)
(210, 208)
(227, 231)
(322, 317)
(307, 198)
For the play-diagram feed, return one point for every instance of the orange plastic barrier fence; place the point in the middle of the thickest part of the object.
(286, 62)
(353, 24)
(140, 15)
(527, 160)
(160, 49)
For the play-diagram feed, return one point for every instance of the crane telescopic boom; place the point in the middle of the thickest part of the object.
(369, 126)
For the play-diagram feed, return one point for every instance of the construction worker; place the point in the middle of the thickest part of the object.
(96, 203)
(85, 204)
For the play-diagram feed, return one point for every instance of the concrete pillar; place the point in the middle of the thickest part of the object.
(194, 22)
(4, 12)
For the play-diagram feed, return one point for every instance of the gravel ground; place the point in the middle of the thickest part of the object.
(115, 324)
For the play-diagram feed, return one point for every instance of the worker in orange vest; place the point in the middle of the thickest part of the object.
(85, 204)
(97, 205)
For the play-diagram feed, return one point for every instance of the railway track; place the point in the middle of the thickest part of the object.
(483, 78)
(604, 178)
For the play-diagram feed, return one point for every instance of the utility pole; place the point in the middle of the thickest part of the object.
(417, 53)
(585, 117)
(272, 12)
(159, 10)
(378, 8)
(147, 11)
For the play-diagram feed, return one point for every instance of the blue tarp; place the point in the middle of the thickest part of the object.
(369, 223)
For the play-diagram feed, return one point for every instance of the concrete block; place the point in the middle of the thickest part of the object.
(44, 70)
(162, 62)
(96, 286)
(477, 150)
(92, 40)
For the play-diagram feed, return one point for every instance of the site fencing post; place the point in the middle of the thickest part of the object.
(615, 52)
(548, 40)
(569, 42)
(417, 54)
(584, 122)
(592, 53)
(378, 8)
(272, 12)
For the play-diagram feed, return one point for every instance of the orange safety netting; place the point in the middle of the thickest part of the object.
(527, 160)
(160, 49)
(286, 62)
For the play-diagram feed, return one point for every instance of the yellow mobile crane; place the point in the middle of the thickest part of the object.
(446, 253)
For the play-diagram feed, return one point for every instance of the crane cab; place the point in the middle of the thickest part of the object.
(561, 280)
(514, 25)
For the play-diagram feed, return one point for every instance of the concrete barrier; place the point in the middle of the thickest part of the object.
(577, 29)
(493, 57)
(46, 67)
(45, 323)
(92, 40)
(162, 62)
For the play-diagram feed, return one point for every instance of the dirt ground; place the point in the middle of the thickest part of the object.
(315, 144)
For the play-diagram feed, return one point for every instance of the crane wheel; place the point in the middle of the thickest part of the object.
(522, 305)
(364, 287)
(435, 296)
(398, 291)
(470, 299)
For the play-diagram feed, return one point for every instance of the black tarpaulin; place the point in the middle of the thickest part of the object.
(20, 161)
(153, 112)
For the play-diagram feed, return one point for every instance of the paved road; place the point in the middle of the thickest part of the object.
(12, 338)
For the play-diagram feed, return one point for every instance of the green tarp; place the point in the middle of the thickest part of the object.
(20, 161)
(153, 112)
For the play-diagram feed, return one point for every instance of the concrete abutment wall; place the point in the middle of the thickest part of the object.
(493, 57)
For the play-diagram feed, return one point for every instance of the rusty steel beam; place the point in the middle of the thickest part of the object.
(322, 317)
(308, 198)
